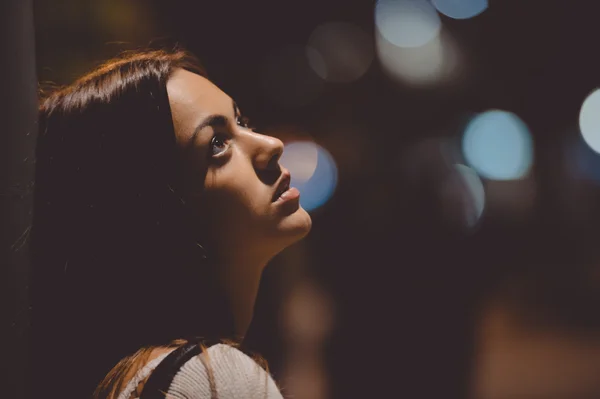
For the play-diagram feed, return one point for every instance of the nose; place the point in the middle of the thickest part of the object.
(268, 152)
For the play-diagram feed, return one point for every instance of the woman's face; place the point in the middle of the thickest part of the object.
(232, 176)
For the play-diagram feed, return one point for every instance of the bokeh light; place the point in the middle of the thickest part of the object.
(407, 23)
(498, 145)
(317, 187)
(301, 159)
(589, 120)
(309, 312)
(115, 17)
(463, 196)
(339, 51)
(460, 9)
(288, 79)
(432, 63)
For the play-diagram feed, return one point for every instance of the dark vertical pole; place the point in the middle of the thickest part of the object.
(18, 105)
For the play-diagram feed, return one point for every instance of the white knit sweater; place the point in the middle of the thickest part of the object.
(221, 372)
(235, 375)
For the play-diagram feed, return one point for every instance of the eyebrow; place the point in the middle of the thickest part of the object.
(215, 120)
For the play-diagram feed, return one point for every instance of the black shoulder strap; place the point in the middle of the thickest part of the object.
(161, 378)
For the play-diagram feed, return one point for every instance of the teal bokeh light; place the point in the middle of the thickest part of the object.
(460, 9)
(314, 172)
(498, 145)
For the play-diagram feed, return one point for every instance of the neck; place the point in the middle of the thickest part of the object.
(241, 280)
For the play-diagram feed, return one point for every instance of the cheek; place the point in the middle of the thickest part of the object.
(228, 215)
(235, 195)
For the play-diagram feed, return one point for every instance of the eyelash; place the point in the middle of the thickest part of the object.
(244, 122)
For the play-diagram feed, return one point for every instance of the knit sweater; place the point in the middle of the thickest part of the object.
(221, 372)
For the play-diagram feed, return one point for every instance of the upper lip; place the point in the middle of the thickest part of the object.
(283, 185)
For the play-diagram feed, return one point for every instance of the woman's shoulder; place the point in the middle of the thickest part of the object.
(226, 371)
(220, 371)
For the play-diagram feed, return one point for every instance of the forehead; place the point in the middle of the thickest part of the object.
(192, 98)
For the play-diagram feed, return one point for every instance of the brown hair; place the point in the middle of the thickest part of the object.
(116, 379)
(116, 76)
(115, 262)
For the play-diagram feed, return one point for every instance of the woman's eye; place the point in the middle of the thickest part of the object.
(219, 144)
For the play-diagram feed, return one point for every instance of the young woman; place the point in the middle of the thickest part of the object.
(156, 210)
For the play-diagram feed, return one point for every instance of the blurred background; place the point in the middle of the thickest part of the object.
(447, 151)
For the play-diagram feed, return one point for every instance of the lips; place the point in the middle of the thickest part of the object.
(282, 187)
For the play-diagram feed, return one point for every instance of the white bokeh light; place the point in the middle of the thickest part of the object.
(589, 120)
(339, 51)
(460, 9)
(407, 23)
(299, 158)
(432, 63)
(498, 145)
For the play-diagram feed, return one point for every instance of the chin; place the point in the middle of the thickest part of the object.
(294, 227)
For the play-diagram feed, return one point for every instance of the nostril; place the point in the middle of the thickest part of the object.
(273, 163)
